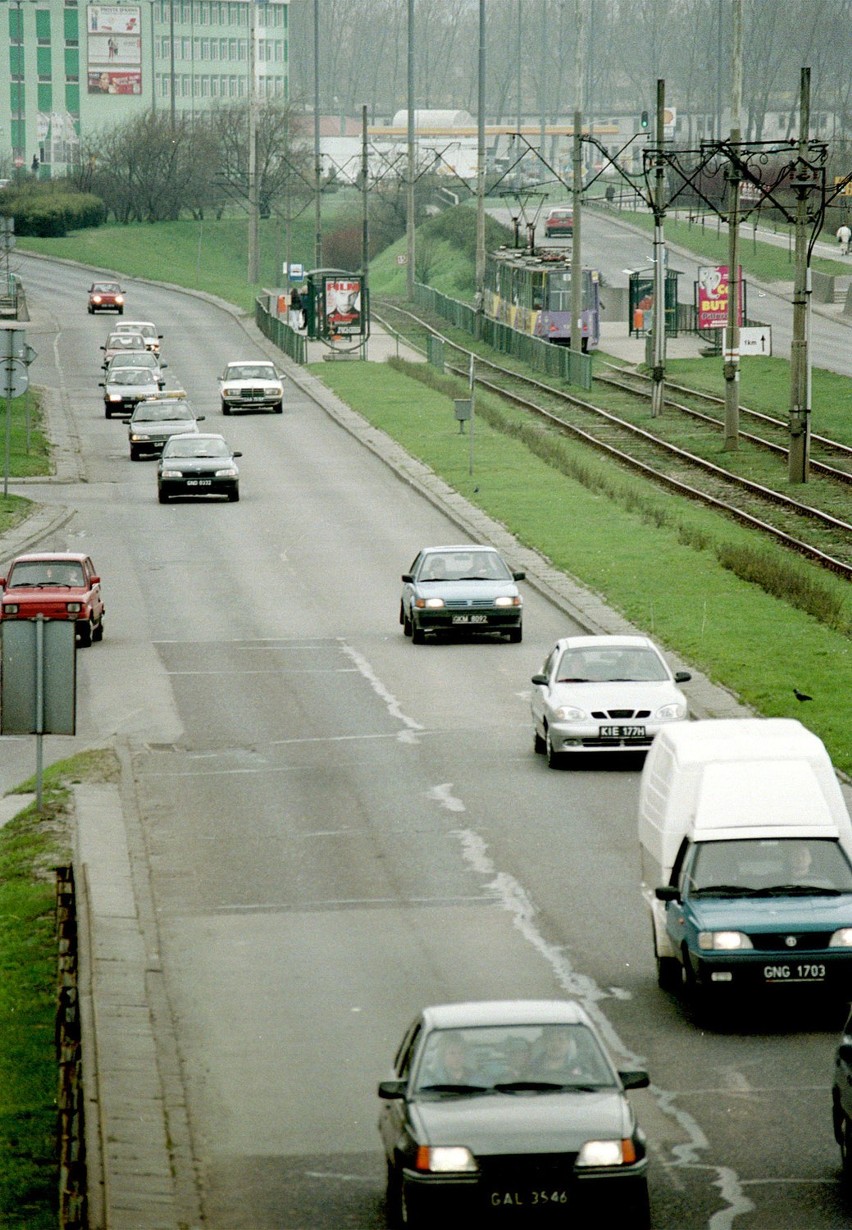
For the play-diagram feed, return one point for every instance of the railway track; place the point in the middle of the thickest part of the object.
(812, 532)
(774, 442)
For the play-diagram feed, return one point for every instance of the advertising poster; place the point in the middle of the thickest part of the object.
(342, 307)
(114, 50)
(712, 291)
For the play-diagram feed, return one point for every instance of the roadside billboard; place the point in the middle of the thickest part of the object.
(342, 293)
(712, 291)
(114, 49)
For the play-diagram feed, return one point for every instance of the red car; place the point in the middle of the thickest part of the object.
(106, 297)
(559, 222)
(57, 585)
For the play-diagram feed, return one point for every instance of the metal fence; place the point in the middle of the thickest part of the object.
(279, 332)
(73, 1214)
(541, 356)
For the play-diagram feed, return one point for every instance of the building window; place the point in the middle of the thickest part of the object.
(45, 98)
(44, 63)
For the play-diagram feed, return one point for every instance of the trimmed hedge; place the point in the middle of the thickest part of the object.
(50, 213)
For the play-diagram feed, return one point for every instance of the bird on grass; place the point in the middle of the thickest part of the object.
(801, 696)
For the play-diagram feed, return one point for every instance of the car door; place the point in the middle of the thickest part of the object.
(93, 586)
(540, 691)
(393, 1115)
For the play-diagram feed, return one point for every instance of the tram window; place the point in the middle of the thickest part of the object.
(559, 292)
(538, 285)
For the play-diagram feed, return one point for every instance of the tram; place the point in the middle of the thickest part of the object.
(531, 292)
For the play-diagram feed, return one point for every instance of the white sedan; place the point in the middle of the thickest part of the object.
(251, 384)
(603, 694)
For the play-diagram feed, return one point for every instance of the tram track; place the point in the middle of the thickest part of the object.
(813, 533)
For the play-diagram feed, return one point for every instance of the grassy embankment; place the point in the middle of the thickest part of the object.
(31, 847)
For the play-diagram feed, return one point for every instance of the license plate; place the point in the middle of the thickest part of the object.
(526, 1200)
(470, 619)
(199, 482)
(794, 971)
(622, 732)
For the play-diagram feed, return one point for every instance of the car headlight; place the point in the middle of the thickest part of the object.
(73, 608)
(516, 601)
(445, 1159)
(119, 299)
(567, 713)
(170, 474)
(96, 298)
(116, 397)
(136, 436)
(271, 390)
(228, 472)
(672, 712)
(607, 1153)
(230, 392)
(723, 941)
(10, 608)
(430, 603)
(841, 938)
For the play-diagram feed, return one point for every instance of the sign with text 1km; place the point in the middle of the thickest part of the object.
(711, 291)
(755, 340)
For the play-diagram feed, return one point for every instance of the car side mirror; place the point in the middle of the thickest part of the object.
(163, 366)
(519, 576)
(667, 892)
(2, 582)
(236, 454)
(199, 418)
(683, 676)
(540, 679)
(101, 384)
(407, 578)
(392, 1090)
(634, 1078)
(95, 580)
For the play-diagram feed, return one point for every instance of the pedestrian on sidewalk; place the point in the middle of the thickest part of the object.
(844, 234)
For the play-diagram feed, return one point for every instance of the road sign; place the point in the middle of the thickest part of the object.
(14, 378)
(755, 341)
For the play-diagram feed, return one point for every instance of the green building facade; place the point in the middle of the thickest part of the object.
(68, 69)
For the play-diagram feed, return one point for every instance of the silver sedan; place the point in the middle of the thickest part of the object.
(603, 694)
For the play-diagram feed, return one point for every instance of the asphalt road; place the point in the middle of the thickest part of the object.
(340, 826)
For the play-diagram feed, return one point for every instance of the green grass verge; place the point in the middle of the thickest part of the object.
(649, 555)
(31, 846)
(28, 454)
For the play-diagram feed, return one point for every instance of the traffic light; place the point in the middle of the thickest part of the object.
(643, 120)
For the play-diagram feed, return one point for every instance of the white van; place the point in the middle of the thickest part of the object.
(746, 857)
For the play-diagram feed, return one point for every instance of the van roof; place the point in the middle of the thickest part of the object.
(742, 739)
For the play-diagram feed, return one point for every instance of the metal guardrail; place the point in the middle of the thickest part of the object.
(73, 1210)
(541, 356)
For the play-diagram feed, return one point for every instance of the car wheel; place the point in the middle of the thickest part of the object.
(404, 619)
(554, 759)
(844, 1136)
(234, 495)
(637, 1210)
(226, 409)
(84, 632)
(393, 1196)
(516, 635)
(539, 745)
(418, 636)
(162, 497)
(134, 453)
(410, 1214)
(91, 311)
(98, 630)
(278, 408)
(107, 412)
(121, 311)
(668, 971)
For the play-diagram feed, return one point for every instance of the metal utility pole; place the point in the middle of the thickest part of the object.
(365, 220)
(480, 178)
(731, 367)
(658, 392)
(409, 185)
(317, 159)
(800, 385)
(252, 152)
(577, 186)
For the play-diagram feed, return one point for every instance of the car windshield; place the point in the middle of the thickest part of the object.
(769, 868)
(158, 413)
(133, 375)
(463, 566)
(197, 448)
(473, 1061)
(610, 665)
(126, 341)
(250, 371)
(136, 358)
(45, 572)
(106, 288)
